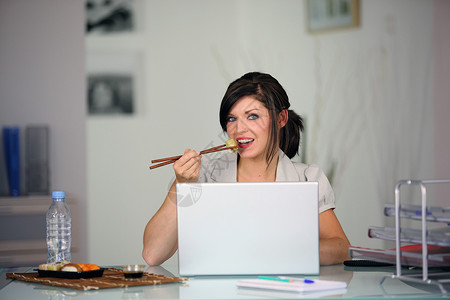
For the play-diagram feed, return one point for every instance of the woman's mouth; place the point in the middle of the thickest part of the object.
(244, 142)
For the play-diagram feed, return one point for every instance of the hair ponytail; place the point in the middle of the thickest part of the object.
(290, 134)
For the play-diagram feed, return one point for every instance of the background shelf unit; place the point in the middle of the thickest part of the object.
(23, 234)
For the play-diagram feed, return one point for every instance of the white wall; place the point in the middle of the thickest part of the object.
(441, 88)
(366, 94)
(42, 82)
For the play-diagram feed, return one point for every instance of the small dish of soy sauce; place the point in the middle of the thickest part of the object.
(133, 272)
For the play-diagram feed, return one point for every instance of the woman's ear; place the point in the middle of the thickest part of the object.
(282, 118)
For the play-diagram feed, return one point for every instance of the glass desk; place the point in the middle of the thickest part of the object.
(362, 283)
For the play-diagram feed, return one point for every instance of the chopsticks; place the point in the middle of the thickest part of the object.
(169, 160)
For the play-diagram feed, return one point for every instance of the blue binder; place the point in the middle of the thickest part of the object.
(4, 186)
(12, 158)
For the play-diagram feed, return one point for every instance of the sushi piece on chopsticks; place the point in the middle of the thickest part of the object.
(229, 145)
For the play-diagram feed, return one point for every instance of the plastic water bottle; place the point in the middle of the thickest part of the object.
(58, 229)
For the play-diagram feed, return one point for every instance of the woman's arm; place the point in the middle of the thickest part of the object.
(160, 235)
(333, 242)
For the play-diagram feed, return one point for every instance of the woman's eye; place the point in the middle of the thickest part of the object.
(231, 119)
(253, 117)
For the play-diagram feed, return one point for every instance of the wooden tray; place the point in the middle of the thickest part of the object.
(112, 278)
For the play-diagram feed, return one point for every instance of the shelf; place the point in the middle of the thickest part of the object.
(438, 237)
(412, 257)
(24, 205)
(434, 214)
(24, 243)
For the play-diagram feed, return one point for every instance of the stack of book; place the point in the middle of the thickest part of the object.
(36, 161)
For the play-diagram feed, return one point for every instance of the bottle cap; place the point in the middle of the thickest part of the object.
(58, 195)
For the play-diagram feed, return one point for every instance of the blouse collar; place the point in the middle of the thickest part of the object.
(226, 169)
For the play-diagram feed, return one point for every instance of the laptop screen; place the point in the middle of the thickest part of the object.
(248, 228)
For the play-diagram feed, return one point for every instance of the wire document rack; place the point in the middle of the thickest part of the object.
(424, 237)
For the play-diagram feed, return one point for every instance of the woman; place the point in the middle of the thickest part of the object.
(255, 112)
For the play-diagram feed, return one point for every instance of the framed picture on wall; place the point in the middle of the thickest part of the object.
(110, 93)
(325, 15)
(112, 83)
(110, 16)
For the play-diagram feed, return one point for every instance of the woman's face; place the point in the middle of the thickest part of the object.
(248, 122)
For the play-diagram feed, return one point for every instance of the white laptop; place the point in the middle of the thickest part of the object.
(248, 228)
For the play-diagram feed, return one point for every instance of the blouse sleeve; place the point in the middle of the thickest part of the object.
(204, 172)
(326, 193)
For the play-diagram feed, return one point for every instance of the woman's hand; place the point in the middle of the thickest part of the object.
(187, 168)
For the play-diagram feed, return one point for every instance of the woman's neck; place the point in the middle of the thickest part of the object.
(249, 170)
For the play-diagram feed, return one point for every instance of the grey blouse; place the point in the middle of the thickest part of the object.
(224, 169)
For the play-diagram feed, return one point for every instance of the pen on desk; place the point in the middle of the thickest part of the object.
(274, 278)
(304, 280)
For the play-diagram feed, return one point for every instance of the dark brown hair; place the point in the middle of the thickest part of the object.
(268, 91)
